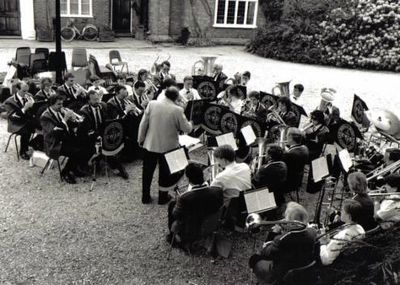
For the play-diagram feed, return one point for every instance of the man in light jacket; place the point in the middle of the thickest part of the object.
(158, 134)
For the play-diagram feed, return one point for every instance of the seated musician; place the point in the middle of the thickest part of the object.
(316, 135)
(296, 157)
(45, 90)
(164, 73)
(95, 117)
(235, 177)
(273, 174)
(188, 93)
(60, 138)
(74, 94)
(150, 88)
(296, 96)
(21, 117)
(97, 85)
(219, 76)
(286, 113)
(331, 113)
(185, 215)
(119, 107)
(351, 230)
(160, 94)
(139, 96)
(292, 247)
(254, 108)
(389, 208)
(231, 99)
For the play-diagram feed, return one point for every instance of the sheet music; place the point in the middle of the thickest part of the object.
(345, 159)
(176, 160)
(188, 141)
(259, 201)
(319, 168)
(228, 139)
(248, 134)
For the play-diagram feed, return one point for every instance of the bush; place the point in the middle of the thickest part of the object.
(345, 33)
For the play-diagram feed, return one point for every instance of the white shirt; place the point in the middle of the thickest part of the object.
(297, 100)
(390, 209)
(332, 250)
(161, 96)
(236, 177)
(129, 89)
(101, 88)
(236, 105)
(185, 94)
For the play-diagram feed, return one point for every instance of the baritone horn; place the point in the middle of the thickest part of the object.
(283, 88)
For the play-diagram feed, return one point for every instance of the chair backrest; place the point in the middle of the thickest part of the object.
(39, 65)
(56, 60)
(305, 275)
(45, 51)
(36, 56)
(79, 57)
(114, 56)
(22, 55)
(94, 68)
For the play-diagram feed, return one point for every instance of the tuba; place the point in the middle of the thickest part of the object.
(283, 88)
(204, 66)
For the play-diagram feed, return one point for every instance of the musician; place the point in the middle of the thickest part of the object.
(188, 93)
(158, 134)
(75, 95)
(331, 249)
(331, 113)
(164, 72)
(245, 78)
(273, 174)
(286, 113)
(60, 138)
(235, 177)
(389, 208)
(291, 248)
(357, 182)
(96, 86)
(296, 96)
(139, 97)
(296, 157)
(316, 135)
(150, 88)
(232, 99)
(45, 91)
(186, 214)
(21, 116)
(118, 106)
(219, 76)
(95, 117)
(160, 94)
(254, 108)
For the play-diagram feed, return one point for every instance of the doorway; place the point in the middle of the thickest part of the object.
(121, 16)
(9, 18)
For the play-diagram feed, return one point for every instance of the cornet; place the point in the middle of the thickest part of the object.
(74, 116)
(135, 110)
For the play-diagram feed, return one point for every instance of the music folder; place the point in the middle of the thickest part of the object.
(345, 160)
(228, 139)
(259, 200)
(248, 134)
(320, 168)
(176, 160)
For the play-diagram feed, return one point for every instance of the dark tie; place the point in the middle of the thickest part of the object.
(24, 100)
(97, 88)
(97, 117)
(71, 91)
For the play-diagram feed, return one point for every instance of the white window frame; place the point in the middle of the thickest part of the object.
(235, 25)
(79, 15)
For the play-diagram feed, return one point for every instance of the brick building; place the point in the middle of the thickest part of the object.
(163, 19)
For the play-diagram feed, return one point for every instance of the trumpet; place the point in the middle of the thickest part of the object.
(76, 118)
(132, 107)
(80, 89)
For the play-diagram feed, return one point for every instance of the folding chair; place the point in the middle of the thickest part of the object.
(39, 65)
(22, 55)
(79, 58)
(50, 162)
(115, 60)
(15, 135)
(44, 51)
(100, 71)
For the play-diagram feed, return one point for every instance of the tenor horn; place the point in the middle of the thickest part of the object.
(283, 88)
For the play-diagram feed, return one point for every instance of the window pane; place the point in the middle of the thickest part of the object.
(231, 12)
(240, 14)
(220, 11)
(74, 7)
(85, 7)
(250, 13)
(63, 7)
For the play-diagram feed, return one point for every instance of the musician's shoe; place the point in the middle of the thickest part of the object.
(79, 173)
(69, 178)
(24, 156)
(163, 197)
(147, 200)
(122, 172)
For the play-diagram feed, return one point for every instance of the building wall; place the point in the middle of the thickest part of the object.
(101, 14)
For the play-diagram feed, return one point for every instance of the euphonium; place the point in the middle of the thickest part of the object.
(283, 88)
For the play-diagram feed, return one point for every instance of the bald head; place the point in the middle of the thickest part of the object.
(172, 93)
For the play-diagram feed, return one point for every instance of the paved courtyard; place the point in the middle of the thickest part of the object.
(54, 233)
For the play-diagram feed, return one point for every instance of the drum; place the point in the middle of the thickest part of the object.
(212, 119)
(112, 138)
(229, 123)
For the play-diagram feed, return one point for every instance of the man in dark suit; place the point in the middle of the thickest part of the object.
(21, 117)
(74, 95)
(219, 76)
(286, 113)
(95, 114)
(60, 138)
(273, 174)
(295, 158)
(254, 108)
(185, 216)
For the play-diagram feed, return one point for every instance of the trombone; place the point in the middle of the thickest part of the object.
(380, 171)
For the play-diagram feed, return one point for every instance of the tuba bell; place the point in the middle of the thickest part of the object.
(283, 88)
(204, 66)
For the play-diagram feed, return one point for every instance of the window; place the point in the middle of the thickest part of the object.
(76, 8)
(236, 13)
